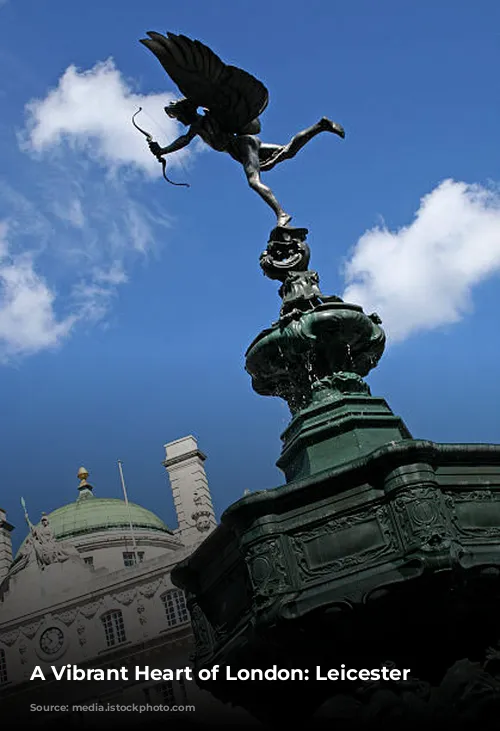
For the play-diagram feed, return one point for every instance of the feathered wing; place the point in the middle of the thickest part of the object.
(233, 96)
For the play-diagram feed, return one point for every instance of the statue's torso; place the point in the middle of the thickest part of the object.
(210, 131)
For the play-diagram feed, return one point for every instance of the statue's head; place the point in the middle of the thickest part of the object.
(185, 111)
(44, 521)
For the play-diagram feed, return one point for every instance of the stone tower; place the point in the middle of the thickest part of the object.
(5, 544)
(192, 499)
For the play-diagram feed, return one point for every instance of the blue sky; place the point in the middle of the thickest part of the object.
(126, 305)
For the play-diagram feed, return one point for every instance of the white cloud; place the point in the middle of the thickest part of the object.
(93, 300)
(114, 275)
(91, 111)
(421, 276)
(28, 322)
(75, 235)
(89, 267)
(70, 211)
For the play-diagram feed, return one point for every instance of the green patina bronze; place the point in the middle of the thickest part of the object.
(298, 359)
(387, 557)
(378, 547)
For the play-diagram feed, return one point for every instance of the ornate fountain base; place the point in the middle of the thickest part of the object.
(378, 548)
(391, 557)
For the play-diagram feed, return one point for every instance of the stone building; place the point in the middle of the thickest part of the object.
(90, 586)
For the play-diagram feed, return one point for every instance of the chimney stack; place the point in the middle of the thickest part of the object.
(192, 499)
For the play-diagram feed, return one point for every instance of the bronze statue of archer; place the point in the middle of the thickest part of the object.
(232, 101)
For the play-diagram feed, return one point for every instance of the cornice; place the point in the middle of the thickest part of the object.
(172, 461)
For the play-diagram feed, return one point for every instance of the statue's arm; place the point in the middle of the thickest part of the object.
(178, 144)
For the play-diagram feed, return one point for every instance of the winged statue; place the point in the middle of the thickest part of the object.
(232, 101)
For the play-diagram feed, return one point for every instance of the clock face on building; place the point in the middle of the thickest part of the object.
(51, 640)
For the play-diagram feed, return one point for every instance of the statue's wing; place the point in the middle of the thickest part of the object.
(233, 96)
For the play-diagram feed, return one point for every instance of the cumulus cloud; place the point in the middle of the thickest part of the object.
(28, 322)
(91, 111)
(421, 276)
(68, 242)
(70, 251)
(45, 272)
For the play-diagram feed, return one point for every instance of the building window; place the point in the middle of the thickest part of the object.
(130, 558)
(3, 667)
(114, 628)
(175, 607)
(166, 693)
(89, 560)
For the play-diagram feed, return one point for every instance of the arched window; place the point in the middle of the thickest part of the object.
(174, 603)
(3, 667)
(114, 628)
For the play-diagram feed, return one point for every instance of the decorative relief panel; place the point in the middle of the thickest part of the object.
(8, 638)
(422, 519)
(343, 543)
(267, 568)
(149, 590)
(126, 597)
(141, 609)
(202, 632)
(30, 630)
(80, 630)
(68, 617)
(203, 520)
(473, 495)
(23, 651)
(89, 610)
(475, 513)
(146, 590)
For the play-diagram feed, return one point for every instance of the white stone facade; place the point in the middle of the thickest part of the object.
(107, 550)
(102, 612)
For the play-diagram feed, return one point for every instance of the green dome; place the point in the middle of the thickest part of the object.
(94, 514)
(91, 514)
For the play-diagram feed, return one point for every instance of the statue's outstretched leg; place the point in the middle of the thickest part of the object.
(271, 155)
(248, 154)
